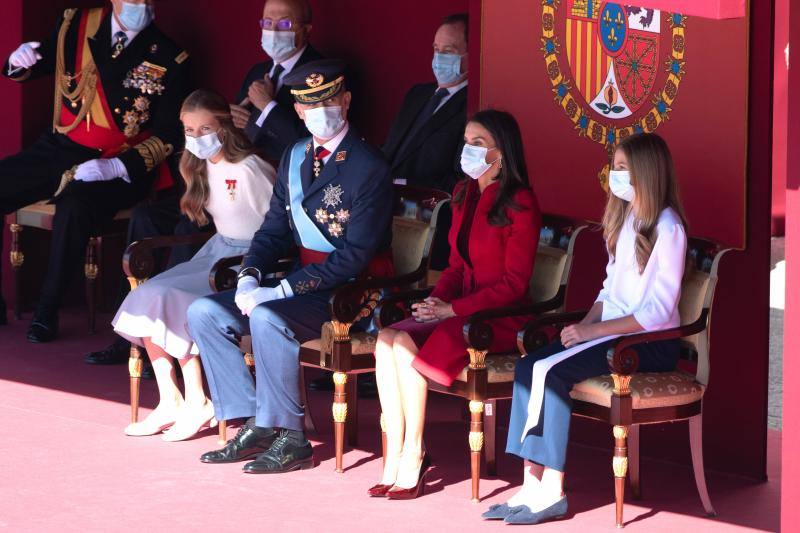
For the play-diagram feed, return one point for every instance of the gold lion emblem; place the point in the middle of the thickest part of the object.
(315, 80)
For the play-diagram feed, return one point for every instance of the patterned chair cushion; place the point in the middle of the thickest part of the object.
(500, 368)
(361, 343)
(662, 389)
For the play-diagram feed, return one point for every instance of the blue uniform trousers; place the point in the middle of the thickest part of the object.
(546, 443)
(278, 328)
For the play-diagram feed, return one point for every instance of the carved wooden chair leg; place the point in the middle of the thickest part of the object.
(91, 270)
(383, 439)
(17, 259)
(475, 445)
(696, 442)
(308, 419)
(223, 432)
(135, 371)
(352, 409)
(339, 408)
(620, 466)
(633, 462)
(490, 430)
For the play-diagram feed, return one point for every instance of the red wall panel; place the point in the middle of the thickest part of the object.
(725, 190)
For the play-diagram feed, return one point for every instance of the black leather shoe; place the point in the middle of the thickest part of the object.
(42, 330)
(249, 442)
(116, 353)
(290, 451)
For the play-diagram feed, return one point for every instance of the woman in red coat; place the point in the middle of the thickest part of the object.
(493, 243)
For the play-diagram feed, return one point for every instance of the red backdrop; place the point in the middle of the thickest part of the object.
(708, 132)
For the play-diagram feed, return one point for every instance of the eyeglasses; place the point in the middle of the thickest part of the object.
(277, 25)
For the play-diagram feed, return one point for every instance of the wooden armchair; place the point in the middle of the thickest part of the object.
(40, 215)
(490, 377)
(139, 265)
(626, 399)
(347, 353)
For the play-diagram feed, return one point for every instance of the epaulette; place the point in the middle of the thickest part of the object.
(183, 56)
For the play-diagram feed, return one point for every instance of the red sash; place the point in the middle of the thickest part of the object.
(102, 132)
(381, 265)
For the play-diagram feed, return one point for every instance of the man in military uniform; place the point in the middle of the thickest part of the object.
(333, 200)
(119, 86)
(264, 107)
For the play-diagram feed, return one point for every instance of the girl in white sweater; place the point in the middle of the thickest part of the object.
(645, 233)
(226, 180)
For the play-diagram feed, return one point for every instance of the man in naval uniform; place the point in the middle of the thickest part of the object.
(264, 107)
(119, 86)
(333, 201)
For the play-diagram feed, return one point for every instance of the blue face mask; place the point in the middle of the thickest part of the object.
(136, 17)
(446, 67)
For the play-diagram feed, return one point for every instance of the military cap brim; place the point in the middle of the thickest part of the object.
(316, 81)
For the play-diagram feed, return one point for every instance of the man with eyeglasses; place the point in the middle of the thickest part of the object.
(264, 107)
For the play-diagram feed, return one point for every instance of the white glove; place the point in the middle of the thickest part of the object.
(249, 295)
(25, 56)
(101, 170)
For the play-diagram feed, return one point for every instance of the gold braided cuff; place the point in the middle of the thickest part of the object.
(154, 151)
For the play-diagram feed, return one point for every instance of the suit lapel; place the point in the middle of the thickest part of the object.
(409, 119)
(331, 168)
(451, 108)
(100, 44)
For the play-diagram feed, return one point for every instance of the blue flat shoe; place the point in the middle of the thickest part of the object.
(525, 516)
(499, 511)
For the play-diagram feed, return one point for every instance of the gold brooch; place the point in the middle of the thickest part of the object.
(315, 80)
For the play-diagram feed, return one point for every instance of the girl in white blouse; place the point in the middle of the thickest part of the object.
(645, 232)
(224, 179)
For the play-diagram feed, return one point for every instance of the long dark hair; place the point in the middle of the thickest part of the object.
(235, 147)
(513, 174)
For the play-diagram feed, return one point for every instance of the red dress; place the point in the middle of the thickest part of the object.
(491, 268)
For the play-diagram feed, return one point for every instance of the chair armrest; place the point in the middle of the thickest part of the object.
(138, 261)
(395, 307)
(359, 298)
(623, 359)
(532, 337)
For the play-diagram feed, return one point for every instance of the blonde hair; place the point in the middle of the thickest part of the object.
(235, 148)
(653, 178)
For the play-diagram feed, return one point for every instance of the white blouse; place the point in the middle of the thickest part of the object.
(239, 195)
(651, 296)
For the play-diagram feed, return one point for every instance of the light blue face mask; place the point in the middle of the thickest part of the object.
(446, 67)
(136, 17)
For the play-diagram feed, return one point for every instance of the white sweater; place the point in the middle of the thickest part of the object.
(651, 297)
(239, 195)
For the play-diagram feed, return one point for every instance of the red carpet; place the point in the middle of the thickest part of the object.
(65, 465)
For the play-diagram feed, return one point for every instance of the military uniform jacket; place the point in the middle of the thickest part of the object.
(354, 187)
(144, 86)
(432, 157)
(282, 126)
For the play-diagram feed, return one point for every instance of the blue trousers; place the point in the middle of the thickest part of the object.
(278, 328)
(546, 443)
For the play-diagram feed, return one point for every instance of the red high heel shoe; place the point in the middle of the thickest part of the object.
(418, 489)
(379, 490)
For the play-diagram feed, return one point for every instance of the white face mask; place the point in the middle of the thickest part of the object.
(619, 182)
(278, 44)
(204, 147)
(324, 122)
(136, 17)
(473, 161)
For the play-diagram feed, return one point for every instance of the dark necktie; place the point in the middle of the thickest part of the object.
(120, 38)
(276, 75)
(320, 153)
(421, 120)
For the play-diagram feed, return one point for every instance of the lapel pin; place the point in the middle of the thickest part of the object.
(341, 156)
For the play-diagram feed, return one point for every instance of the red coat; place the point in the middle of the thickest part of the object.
(502, 264)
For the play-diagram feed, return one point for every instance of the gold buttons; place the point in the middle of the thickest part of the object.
(117, 110)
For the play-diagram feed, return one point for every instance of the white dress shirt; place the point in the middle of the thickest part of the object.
(450, 92)
(287, 64)
(115, 28)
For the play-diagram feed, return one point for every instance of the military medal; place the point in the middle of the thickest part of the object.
(147, 77)
(231, 189)
(335, 221)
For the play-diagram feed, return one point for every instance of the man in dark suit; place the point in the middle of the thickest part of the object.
(333, 201)
(425, 140)
(264, 106)
(119, 86)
